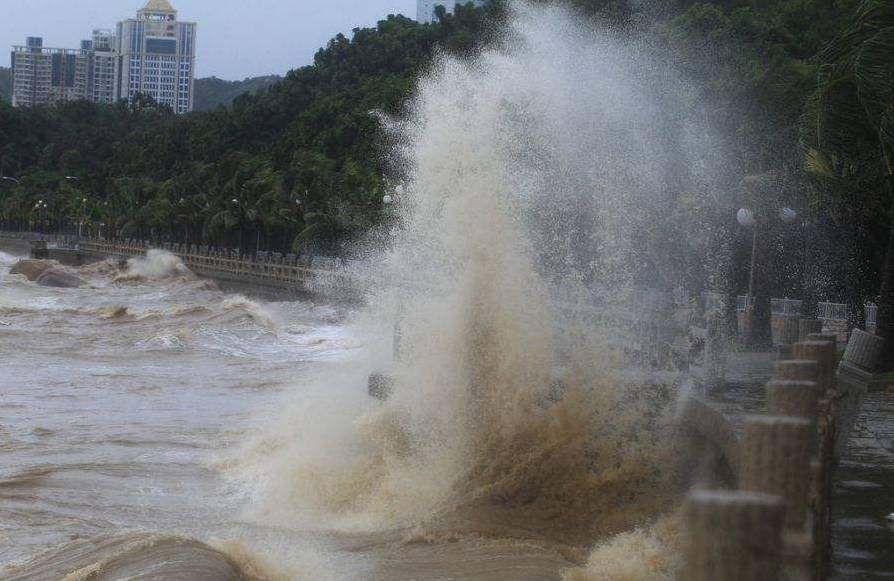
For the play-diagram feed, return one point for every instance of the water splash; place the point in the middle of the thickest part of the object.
(540, 173)
(156, 265)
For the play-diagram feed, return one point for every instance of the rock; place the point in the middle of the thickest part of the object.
(59, 278)
(32, 269)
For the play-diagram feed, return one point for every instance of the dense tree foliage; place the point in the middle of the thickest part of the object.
(5, 84)
(849, 140)
(211, 92)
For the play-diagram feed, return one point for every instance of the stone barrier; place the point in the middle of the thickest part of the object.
(733, 536)
(788, 457)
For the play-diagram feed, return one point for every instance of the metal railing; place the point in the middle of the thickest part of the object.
(831, 312)
(871, 315)
(786, 306)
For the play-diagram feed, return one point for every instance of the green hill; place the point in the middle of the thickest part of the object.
(211, 92)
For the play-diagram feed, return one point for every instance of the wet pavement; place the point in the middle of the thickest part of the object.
(863, 540)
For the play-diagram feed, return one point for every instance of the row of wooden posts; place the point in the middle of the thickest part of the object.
(777, 524)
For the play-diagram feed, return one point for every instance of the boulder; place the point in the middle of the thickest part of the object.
(32, 269)
(59, 278)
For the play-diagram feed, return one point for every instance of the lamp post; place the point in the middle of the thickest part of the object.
(83, 216)
(41, 208)
(75, 179)
(747, 219)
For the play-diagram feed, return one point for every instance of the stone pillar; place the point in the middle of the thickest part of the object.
(733, 536)
(808, 326)
(775, 459)
(797, 399)
(797, 370)
(831, 337)
(824, 353)
(786, 329)
(864, 350)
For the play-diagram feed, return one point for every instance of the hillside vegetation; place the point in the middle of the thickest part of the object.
(211, 92)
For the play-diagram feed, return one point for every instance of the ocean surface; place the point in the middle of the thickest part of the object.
(149, 417)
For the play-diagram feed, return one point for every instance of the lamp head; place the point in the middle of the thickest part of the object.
(745, 217)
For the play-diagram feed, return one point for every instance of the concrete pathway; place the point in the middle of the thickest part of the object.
(863, 540)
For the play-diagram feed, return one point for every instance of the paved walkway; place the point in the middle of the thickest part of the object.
(864, 495)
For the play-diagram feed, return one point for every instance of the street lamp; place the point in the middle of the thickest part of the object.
(747, 219)
(83, 216)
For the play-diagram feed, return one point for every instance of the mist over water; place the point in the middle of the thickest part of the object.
(544, 181)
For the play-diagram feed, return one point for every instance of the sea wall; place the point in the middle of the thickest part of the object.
(275, 270)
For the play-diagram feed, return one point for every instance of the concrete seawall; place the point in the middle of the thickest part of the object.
(272, 271)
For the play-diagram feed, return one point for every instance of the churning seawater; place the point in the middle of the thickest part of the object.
(514, 445)
(117, 398)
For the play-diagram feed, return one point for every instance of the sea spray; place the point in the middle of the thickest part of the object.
(156, 265)
(504, 155)
(538, 195)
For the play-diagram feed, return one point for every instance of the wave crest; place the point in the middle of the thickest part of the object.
(156, 265)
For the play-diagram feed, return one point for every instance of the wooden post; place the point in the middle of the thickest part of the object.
(775, 459)
(733, 536)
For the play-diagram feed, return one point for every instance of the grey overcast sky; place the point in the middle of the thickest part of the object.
(236, 38)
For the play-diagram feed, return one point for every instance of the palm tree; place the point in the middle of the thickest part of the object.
(849, 123)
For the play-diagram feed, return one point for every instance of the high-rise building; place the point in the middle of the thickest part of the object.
(42, 75)
(425, 9)
(157, 55)
(103, 86)
(152, 54)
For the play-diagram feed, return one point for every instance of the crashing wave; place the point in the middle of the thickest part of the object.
(156, 265)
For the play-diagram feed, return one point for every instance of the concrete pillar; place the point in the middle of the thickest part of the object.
(831, 337)
(824, 353)
(808, 326)
(733, 536)
(864, 350)
(786, 329)
(797, 370)
(775, 459)
(797, 399)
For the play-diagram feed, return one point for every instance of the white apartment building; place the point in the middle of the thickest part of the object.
(152, 54)
(157, 56)
(425, 9)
